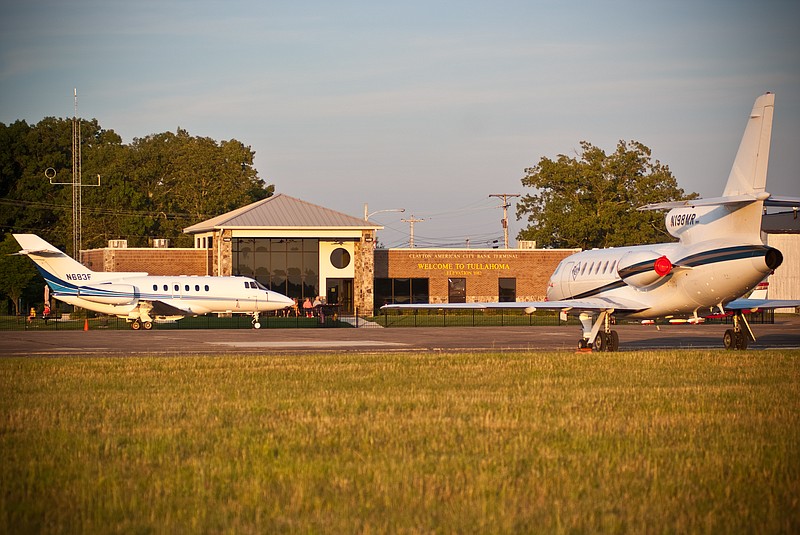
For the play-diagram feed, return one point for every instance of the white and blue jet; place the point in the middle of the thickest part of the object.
(140, 298)
(718, 258)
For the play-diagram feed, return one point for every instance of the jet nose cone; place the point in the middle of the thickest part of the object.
(282, 299)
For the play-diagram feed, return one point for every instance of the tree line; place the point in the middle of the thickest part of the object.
(151, 188)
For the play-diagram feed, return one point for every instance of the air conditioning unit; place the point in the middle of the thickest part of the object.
(526, 244)
(117, 244)
(161, 243)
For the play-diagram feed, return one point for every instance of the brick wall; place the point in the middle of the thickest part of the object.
(480, 267)
(153, 261)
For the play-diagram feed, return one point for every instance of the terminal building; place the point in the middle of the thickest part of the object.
(304, 250)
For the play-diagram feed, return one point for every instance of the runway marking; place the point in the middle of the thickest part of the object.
(310, 343)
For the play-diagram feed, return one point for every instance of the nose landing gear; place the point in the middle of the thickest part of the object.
(739, 337)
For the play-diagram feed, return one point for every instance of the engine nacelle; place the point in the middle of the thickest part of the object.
(641, 269)
(110, 294)
(679, 220)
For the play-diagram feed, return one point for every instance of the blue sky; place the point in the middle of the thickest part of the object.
(426, 105)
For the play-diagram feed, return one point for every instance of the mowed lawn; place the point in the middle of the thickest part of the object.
(637, 442)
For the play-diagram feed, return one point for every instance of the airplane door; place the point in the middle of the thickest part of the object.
(568, 272)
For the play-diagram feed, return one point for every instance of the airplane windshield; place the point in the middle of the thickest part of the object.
(260, 286)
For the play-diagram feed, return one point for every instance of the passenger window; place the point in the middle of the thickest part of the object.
(196, 287)
(597, 269)
(206, 287)
(614, 263)
(605, 267)
(583, 269)
(591, 267)
(166, 288)
(186, 288)
(155, 287)
(177, 288)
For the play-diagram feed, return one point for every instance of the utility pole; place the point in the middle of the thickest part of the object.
(77, 180)
(411, 222)
(505, 197)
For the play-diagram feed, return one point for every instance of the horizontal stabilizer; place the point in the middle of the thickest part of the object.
(711, 201)
(783, 201)
(37, 252)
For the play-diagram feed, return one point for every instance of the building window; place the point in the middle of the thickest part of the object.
(507, 289)
(456, 290)
(340, 258)
(286, 265)
(389, 291)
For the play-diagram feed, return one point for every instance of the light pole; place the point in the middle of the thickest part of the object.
(367, 216)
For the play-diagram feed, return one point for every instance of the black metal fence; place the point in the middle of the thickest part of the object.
(408, 318)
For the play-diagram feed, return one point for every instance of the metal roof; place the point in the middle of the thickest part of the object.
(281, 211)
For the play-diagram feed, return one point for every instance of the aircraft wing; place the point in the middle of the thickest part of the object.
(751, 304)
(591, 304)
(160, 308)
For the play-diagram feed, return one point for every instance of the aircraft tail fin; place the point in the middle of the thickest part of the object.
(49, 259)
(749, 172)
(61, 272)
(738, 212)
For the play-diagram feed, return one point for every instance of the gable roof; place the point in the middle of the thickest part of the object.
(281, 211)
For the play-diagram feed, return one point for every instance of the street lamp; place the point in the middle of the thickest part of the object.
(367, 216)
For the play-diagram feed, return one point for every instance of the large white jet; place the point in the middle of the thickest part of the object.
(719, 257)
(140, 298)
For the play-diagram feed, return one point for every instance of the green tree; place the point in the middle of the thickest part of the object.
(151, 188)
(16, 272)
(590, 200)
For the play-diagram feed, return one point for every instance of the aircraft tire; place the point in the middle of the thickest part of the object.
(740, 340)
(613, 341)
(147, 325)
(583, 343)
(136, 325)
(256, 325)
(729, 339)
(600, 343)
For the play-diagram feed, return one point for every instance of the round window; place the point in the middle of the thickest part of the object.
(340, 258)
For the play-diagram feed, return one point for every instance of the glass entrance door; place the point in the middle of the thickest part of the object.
(340, 292)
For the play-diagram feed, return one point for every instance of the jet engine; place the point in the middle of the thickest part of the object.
(642, 269)
(109, 294)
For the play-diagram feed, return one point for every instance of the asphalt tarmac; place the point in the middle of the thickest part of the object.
(783, 334)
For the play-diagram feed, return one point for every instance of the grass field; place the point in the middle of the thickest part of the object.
(637, 442)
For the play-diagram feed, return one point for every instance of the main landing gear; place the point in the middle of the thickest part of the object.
(256, 324)
(140, 318)
(740, 335)
(598, 337)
